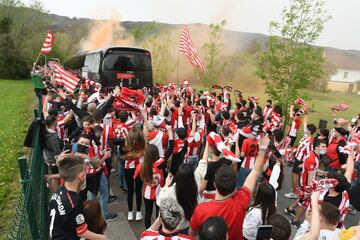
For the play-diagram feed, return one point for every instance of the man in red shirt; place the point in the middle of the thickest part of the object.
(228, 203)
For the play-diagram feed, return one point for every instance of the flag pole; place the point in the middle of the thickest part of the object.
(45, 66)
(177, 68)
(37, 59)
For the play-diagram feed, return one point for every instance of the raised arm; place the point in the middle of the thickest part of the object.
(163, 106)
(314, 232)
(251, 179)
(146, 122)
(212, 116)
(237, 149)
(180, 117)
(170, 148)
(305, 120)
(193, 125)
(291, 111)
(68, 117)
(206, 152)
(349, 166)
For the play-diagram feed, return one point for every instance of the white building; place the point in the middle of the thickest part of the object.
(347, 76)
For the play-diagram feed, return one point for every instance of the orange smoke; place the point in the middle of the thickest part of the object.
(104, 33)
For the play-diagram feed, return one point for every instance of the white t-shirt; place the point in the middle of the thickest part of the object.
(324, 233)
(252, 221)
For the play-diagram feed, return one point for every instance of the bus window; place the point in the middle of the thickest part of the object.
(92, 62)
(127, 61)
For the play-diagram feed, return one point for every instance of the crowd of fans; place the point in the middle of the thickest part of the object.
(209, 168)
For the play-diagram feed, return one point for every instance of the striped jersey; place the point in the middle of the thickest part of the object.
(311, 164)
(267, 111)
(194, 143)
(121, 130)
(343, 207)
(250, 148)
(60, 127)
(304, 148)
(152, 190)
(133, 163)
(159, 139)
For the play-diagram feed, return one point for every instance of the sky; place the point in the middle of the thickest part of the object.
(342, 31)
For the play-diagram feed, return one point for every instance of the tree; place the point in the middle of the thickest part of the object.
(141, 32)
(290, 63)
(162, 60)
(24, 31)
(321, 83)
(214, 64)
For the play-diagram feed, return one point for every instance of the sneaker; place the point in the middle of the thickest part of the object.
(138, 216)
(130, 216)
(111, 198)
(111, 217)
(290, 212)
(123, 188)
(290, 195)
(296, 224)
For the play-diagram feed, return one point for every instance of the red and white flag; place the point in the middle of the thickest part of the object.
(301, 102)
(187, 46)
(213, 138)
(48, 43)
(64, 77)
(340, 107)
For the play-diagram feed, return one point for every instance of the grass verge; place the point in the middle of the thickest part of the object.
(17, 97)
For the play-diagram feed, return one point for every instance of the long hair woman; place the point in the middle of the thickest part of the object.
(184, 191)
(152, 174)
(134, 149)
(93, 217)
(260, 210)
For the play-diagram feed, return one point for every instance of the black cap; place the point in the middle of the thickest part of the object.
(341, 130)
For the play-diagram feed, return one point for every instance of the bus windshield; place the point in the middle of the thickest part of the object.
(127, 61)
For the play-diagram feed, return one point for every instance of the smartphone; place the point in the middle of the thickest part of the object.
(67, 147)
(264, 232)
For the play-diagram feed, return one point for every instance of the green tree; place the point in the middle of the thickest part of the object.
(290, 63)
(215, 65)
(162, 60)
(141, 32)
(26, 27)
(321, 83)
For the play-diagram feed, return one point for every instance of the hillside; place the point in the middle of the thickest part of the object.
(235, 40)
(82, 34)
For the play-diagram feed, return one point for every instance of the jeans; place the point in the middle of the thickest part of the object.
(242, 175)
(104, 195)
(121, 173)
